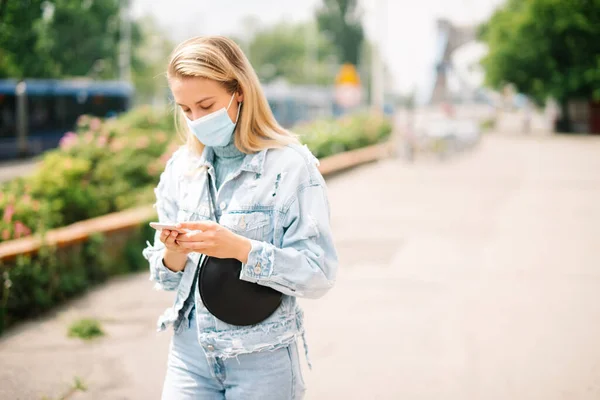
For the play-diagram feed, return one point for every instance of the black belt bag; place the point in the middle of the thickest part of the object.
(229, 298)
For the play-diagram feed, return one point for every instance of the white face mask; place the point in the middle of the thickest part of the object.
(216, 128)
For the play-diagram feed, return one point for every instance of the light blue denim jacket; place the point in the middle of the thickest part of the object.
(278, 200)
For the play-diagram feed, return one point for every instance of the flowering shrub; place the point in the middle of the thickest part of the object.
(104, 166)
(31, 285)
(18, 210)
(330, 136)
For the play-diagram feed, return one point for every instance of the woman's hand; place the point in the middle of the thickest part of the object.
(169, 239)
(213, 240)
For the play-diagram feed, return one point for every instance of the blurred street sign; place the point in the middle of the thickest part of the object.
(348, 92)
(347, 76)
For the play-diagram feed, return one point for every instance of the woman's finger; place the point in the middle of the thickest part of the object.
(196, 246)
(193, 236)
(196, 225)
(164, 234)
(170, 240)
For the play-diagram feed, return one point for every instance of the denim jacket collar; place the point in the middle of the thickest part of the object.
(252, 162)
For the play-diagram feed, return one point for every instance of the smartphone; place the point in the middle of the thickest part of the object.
(171, 226)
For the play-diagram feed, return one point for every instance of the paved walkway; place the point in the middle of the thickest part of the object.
(478, 278)
(16, 168)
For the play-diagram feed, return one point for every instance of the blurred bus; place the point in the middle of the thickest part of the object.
(52, 107)
(292, 104)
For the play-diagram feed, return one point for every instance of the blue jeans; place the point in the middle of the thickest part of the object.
(269, 375)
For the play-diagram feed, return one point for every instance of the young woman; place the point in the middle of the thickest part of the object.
(242, 188)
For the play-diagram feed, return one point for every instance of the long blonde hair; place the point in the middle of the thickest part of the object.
(221, 59)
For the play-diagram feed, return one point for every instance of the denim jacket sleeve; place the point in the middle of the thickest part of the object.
(166, 208)
(306, 263)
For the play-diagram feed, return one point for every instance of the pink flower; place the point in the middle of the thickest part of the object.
(89, 137)
(117, 145)
(83, 119)
(5, 234)
(26, 198)
(164, 158)
(20, 229)
(102, 140)
(9, 211)
(68, 141)
(152, 169)
(172, 148)
(95, 124)
(142, 142)
(161, 137)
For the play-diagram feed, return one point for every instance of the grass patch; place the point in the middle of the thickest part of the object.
(86, 329)
(488, 124)
(79, 385)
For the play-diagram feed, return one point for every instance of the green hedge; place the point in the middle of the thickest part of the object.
(108, 166)
(332, 136)
(103, 167)
(31, 285)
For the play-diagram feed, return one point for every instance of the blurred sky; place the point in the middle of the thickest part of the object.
(407, 27)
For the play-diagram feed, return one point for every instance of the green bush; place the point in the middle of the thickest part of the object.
(331, 136)
(31, 285)
(104, 166)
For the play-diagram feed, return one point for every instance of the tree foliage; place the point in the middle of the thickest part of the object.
(545, 48)
(341, 21)
(282, 51)
(149, 62)
(61, 38)
(19, 34)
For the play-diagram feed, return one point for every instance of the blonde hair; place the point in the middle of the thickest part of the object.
(221, 59)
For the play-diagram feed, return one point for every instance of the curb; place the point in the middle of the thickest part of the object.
(128, 219)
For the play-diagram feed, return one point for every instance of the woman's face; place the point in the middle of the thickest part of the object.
(198, 97)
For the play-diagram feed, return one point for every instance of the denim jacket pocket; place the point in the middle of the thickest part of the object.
(253, 225)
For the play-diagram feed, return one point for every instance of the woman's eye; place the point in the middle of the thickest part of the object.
(206, 107)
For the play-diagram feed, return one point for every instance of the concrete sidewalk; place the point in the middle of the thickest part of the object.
(473, 279)
(16, 168)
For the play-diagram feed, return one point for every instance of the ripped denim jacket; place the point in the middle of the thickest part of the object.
(278, 200)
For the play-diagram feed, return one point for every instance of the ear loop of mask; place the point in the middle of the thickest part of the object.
(239, 107)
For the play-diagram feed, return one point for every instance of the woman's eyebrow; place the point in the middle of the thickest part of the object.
(206, 98)
(198, 102)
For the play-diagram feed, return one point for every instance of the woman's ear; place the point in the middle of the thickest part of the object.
(240, 97)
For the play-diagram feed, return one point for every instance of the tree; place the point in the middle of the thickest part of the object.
(281, 51)
(61, 38)
(150, 63)
(546, 48)
(20, 55)
(340, 20)
(82, 37)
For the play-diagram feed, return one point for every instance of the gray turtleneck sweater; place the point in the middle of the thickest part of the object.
(227, 160)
